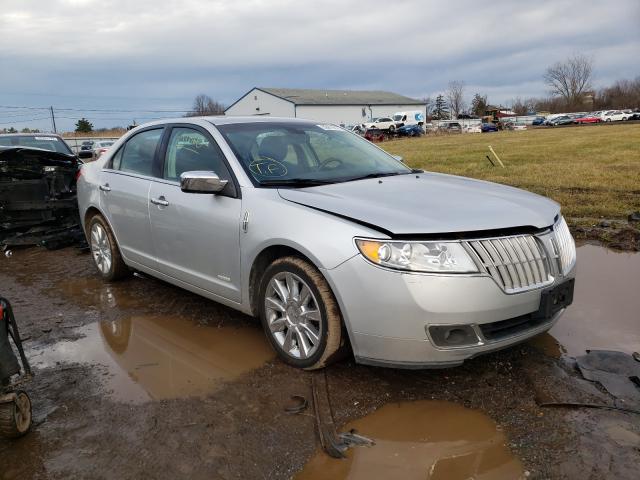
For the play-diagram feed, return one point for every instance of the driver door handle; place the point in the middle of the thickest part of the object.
(160, 201)
(105, 187)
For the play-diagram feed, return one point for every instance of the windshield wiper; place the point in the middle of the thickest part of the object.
(295, 182)
(375, 175)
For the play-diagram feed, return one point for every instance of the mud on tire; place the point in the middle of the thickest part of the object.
(332, 337)
(13, 424)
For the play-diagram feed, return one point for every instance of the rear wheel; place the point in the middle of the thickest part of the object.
(299, 314)
(15, 416)
(104, 250)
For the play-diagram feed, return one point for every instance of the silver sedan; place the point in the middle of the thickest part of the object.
(334, 244)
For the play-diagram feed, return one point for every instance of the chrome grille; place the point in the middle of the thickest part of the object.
(565, 246)
(516, 263)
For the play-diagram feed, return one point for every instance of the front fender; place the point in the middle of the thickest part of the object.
(325, 239)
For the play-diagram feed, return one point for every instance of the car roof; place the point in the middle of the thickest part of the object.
(224, 120)
(41, 134)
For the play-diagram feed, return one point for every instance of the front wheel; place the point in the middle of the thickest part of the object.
(299, 314)
(15, 416)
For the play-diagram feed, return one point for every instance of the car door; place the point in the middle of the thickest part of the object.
(196, 236)
(124, 194)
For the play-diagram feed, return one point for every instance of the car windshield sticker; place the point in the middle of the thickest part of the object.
(268, 168)
(328, 126)
(47, 139)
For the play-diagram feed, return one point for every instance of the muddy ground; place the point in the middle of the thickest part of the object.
(91, 423)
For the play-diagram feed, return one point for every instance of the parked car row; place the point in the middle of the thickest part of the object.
(582, 118)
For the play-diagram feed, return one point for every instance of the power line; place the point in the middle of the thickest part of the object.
(112, 110)
(23, 121)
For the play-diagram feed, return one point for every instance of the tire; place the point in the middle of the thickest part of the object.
(15, 421)
(104, 250)
(608, 120)
(391, 128)
(289, 331)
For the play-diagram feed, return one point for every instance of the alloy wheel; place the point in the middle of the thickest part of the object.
(293, 315)
(101, 248)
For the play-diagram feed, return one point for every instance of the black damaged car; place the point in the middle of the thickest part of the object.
(38, 203)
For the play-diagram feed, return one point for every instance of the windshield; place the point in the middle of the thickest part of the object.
(45, 142)
(288, 152)
(397, 118)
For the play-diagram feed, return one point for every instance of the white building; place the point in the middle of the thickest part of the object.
(347, 107)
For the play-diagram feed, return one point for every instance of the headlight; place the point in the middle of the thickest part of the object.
(441, 257)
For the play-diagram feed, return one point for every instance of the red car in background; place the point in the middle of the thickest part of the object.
(588, 119)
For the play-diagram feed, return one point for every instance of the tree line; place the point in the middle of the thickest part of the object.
(570, 90)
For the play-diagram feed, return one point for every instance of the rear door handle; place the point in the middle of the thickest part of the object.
(105, 187)
(160, 201)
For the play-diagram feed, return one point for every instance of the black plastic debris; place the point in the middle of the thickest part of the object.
(333, 444)
(617, 372)
(299, 404)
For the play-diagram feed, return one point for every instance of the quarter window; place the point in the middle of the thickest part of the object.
(139, 152)
(190, 150)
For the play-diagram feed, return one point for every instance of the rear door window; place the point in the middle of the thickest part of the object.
(138, 153)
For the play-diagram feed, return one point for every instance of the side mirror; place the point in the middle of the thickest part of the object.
(398, 157)
(201, 182)
(85, 154)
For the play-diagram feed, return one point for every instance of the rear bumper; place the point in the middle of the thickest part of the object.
(390, 315)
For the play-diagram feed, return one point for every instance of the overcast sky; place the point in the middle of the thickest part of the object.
(134, 56)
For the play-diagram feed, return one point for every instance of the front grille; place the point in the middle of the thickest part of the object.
(516, 263)
(565, 245)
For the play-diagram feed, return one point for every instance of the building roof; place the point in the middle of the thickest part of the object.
(304, 96)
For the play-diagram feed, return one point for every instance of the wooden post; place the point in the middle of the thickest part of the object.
(497, 157)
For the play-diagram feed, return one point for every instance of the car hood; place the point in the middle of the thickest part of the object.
(429, 203)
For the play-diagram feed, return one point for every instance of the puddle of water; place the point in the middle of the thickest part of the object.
(92, 291)
(606, 309)
(422, 440)
(156, 357)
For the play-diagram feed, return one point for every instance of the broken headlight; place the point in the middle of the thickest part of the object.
(434, 257)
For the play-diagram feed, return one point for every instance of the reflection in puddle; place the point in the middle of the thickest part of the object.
(422, 440)
(154, 357)
(606, 309)
(96, 292)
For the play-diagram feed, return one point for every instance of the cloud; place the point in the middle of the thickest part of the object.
(151, 54)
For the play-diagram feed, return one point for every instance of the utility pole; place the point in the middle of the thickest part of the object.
(53, 120)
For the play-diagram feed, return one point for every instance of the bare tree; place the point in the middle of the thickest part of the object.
(570, 79)
(455, 96)
(205, 105)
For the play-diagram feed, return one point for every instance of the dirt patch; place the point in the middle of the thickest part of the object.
(616, 235)
(237, 427)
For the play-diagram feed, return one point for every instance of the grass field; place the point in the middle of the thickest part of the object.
(592, 171)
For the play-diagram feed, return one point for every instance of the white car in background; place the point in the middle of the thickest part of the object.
(614, 116)
(101, 147)
(472, 129)
(383, 123)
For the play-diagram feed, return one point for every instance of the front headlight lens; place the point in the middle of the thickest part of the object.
(442, 257)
